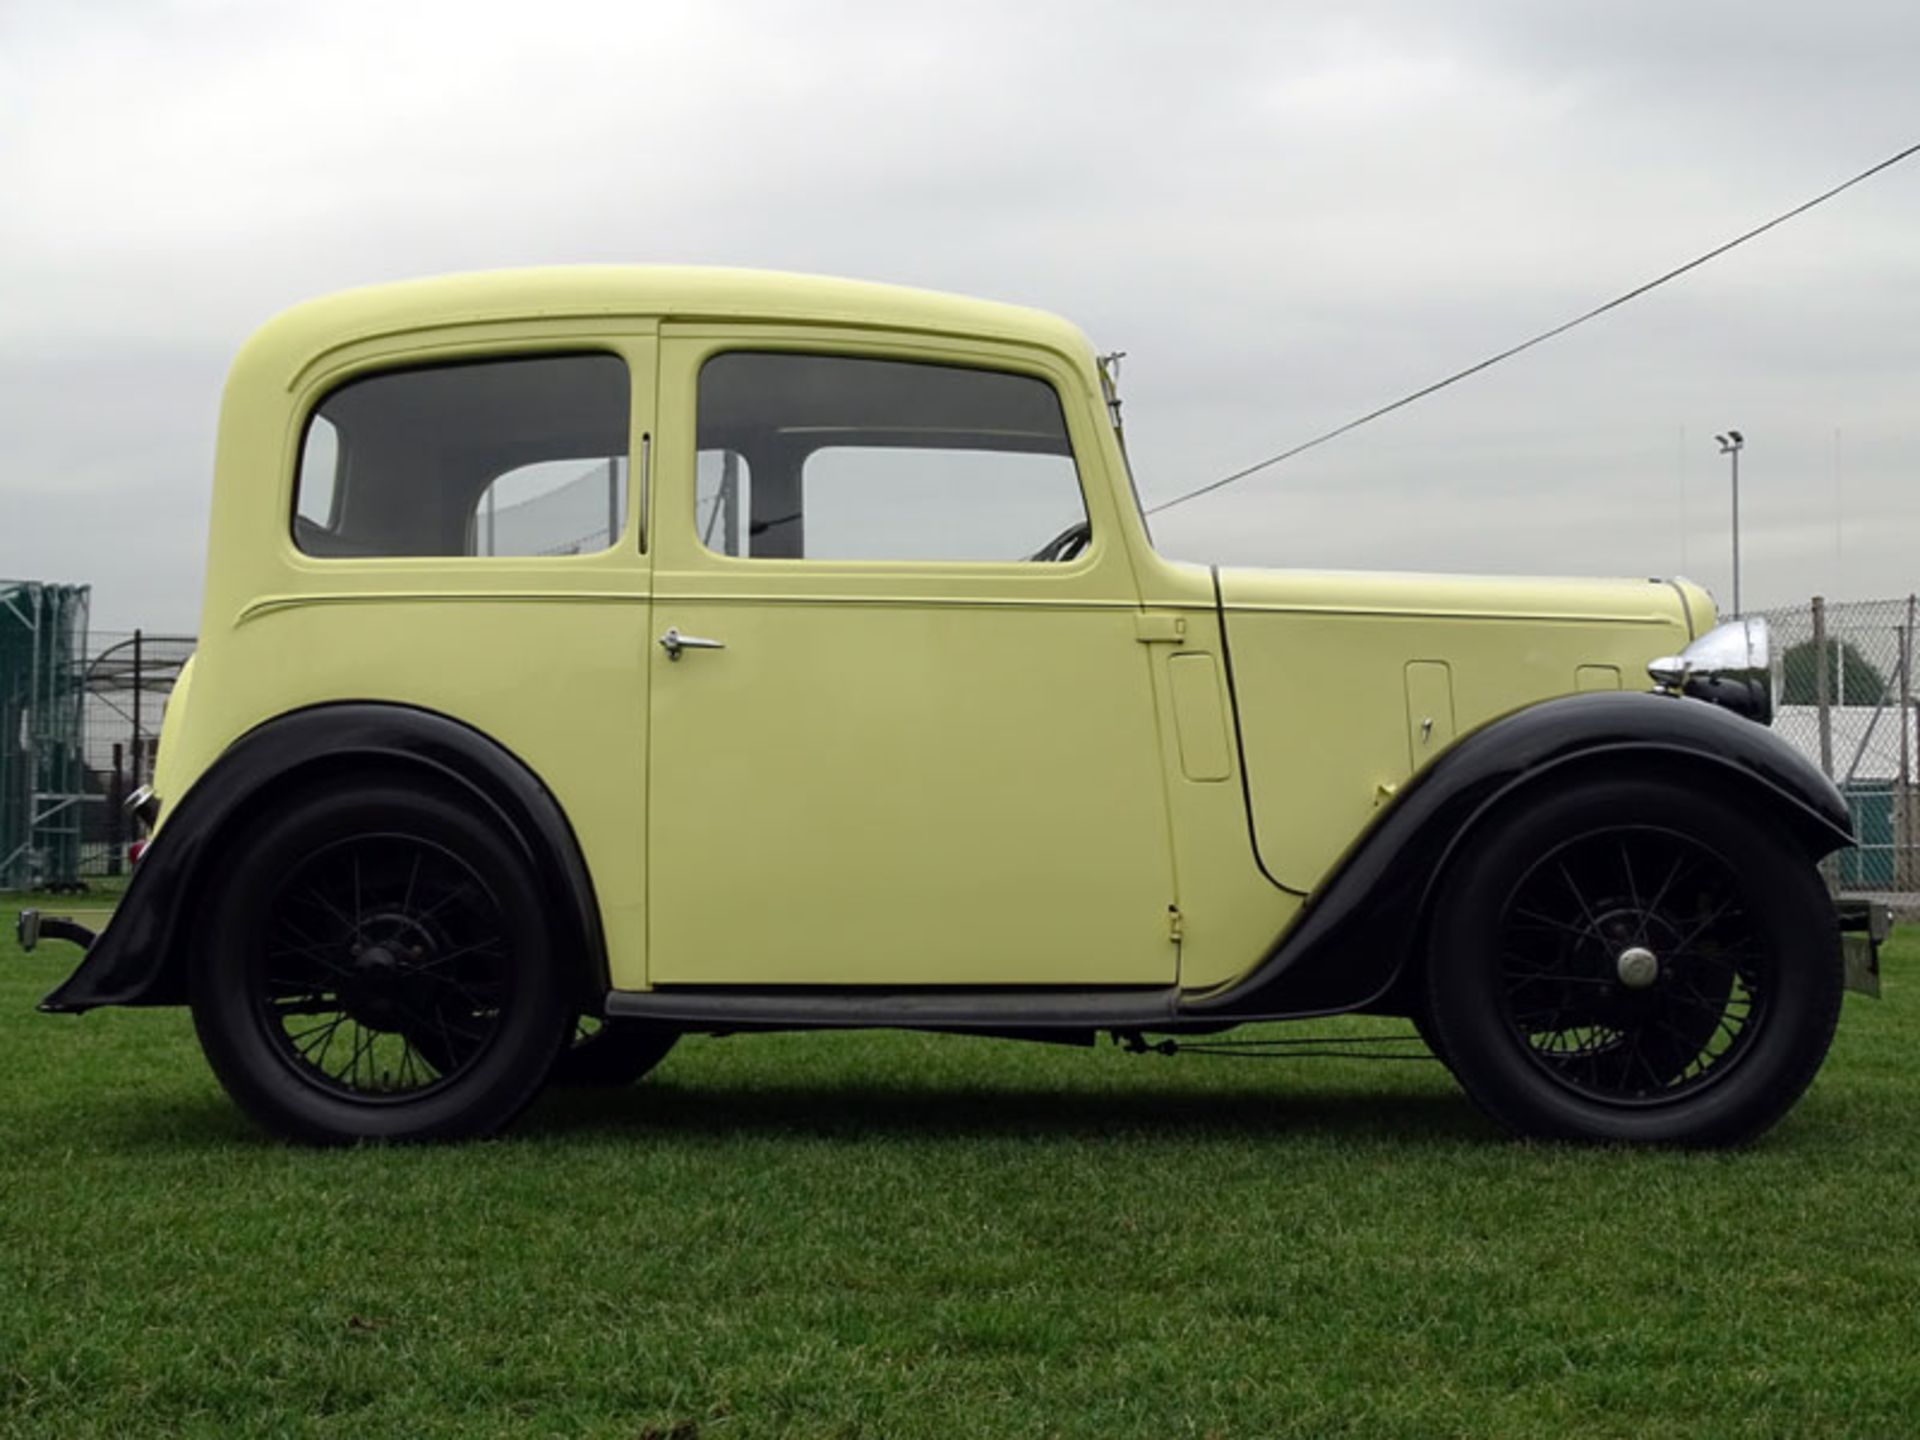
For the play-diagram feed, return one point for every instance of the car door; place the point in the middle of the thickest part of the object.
(921, 758)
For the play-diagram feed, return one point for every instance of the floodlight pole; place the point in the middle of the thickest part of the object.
(1730, 444)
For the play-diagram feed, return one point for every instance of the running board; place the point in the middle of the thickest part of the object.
(865, 1008)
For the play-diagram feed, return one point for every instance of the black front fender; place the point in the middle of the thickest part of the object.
(142, 957)
(1362, 924)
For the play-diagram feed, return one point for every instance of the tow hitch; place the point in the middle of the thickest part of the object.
(32, 927)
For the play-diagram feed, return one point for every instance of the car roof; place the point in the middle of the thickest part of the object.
(299, 335)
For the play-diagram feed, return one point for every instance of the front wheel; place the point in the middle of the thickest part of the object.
(1633, 961)
(374, 966)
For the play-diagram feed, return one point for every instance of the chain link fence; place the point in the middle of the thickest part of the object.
(1844, 697)
(128, 677)
(79, 728)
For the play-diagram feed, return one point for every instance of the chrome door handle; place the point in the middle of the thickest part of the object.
(673, 642)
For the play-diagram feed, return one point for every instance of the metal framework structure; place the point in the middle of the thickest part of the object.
(129, 676)
(43, 646)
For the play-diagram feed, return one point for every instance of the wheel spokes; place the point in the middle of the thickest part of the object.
(1624, 993)
(384, 967)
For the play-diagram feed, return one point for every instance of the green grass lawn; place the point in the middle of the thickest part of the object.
(898, 1236)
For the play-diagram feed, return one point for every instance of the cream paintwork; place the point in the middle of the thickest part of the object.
(1230, 913)
(554, 658)
(901, 773)
(511, 646)
(1306, 646)
(907, 793)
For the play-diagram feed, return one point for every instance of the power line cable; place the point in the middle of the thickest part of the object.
(1541, 338)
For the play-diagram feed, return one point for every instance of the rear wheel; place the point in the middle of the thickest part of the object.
(1631, 961)
(374, 966)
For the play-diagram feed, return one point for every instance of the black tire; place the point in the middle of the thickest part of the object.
(1420, 1012)
(611, 1052)
(374, 965)
(1555, 1031)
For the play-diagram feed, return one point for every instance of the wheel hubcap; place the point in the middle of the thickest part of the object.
(1638, 967)
(1629, 970)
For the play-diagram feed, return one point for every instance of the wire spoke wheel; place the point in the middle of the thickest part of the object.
(384, 972)
(376, 966)
(1629, 968)
(1626, 959)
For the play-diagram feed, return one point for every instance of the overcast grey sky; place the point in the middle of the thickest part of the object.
(1286, 213)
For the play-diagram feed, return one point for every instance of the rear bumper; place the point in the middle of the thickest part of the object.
(32, 927)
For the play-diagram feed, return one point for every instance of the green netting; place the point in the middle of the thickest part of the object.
(43, 646)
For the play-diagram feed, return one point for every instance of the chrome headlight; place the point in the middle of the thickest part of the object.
(1730, 665)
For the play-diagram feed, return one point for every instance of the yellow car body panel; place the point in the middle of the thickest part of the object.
(895, 773)
(1350, 683)
(545, 655)
(963, 782)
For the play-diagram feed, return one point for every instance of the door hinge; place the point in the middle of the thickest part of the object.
(1161, 629)
(1174, 931)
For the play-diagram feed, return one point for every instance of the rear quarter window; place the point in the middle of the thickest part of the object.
(523, 456)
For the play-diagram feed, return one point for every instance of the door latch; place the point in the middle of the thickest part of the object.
(673, 642)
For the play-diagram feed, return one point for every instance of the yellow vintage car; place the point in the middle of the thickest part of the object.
(596, 656)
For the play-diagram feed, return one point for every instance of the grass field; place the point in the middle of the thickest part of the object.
(899, 1236)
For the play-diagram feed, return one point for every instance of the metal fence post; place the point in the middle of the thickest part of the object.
(30, 740)
(1822, 685)
(116, 812)
(614, 516)
(1903, 810)
(133, 751)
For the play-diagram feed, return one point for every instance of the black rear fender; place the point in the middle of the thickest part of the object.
(142, 958)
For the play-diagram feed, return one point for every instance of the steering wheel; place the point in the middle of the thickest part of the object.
(1067, 544)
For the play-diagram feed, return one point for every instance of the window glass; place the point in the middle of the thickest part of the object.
(880, 503)
(553, 507)
(497, 457)
(838, 458)
(319, 463)
(722, 500)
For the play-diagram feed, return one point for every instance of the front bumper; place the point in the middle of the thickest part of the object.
(1864, 924)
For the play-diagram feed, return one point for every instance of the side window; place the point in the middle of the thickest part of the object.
(494, 457)
(837, 458)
